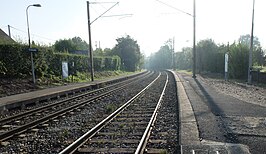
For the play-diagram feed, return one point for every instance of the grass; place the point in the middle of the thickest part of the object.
(107, 74)
(185, 71)
(163, 151)
(79, 78)
(261, 68)
(64, 133)
(110, 108)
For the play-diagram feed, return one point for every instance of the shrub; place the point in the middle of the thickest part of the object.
(15, 62)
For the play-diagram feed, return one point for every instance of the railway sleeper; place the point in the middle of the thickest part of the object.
(107, 150)
(103, 141)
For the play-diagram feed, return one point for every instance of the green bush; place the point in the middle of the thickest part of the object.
(3, 69)
(15, 62)
(238, 61)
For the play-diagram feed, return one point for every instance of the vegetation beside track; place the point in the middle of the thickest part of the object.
(210, 58)
(16, 66)
(13, 86)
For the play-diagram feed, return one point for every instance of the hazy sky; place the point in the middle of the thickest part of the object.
(151, 24)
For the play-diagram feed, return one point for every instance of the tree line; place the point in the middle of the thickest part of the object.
(126, 48)
(210, 57)
(15, 58)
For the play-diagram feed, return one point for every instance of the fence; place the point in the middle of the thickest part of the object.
(259, 77)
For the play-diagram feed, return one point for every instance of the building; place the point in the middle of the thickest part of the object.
(4, 38)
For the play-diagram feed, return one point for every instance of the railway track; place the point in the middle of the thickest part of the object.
(164, 137)
(133, 125)
(18, 123)
(128, 128)
(19, 112)
(47, 137)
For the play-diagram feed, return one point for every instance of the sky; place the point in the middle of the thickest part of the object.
(151, 23)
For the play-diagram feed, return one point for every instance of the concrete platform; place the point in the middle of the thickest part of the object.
(21, 100)
(190, 140)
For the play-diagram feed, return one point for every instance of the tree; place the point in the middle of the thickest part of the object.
(141, 61)
(70, 45)
(79, 44)
(238, 60)
(98, 52)
(245, 39)
(108, 52)
(184, 59)
(257, 53)
(207, 53)
(129, 52)
(105, 52)
(63, 45)
(161, 59)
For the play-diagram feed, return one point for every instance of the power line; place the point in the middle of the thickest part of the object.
(43, 37)
(3, 27)
(101, 2)
(174, 8)
(117, 15)
(18, 29)
(103, 6)
(103, 12)
(32, 34)
(94, 10)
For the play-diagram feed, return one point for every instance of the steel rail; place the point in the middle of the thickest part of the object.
(83, 139)
(143, 142)
(23, 114)
(9, 134)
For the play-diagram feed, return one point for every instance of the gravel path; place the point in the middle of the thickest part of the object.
(248, 93)
(228, 111)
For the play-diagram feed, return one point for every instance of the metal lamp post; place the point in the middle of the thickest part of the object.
(31, 54)
(194, 40)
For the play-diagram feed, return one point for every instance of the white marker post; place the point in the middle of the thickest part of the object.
(64, 70)
(226, 66)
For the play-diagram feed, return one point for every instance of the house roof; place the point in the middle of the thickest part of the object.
(4, 38)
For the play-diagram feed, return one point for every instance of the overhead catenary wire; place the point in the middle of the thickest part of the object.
(117, 15)
(104, 12)
(32, 34)
(3, 27)
(100, 5)
(174, 8)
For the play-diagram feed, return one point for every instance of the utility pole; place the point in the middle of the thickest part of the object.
(90, 47)
(9, 32)
(194, 40)
(251, 47)
(89, 28)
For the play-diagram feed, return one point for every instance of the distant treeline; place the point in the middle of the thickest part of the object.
(210, 57)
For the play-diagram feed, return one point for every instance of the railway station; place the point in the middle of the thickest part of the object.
(129, 76)
(188, 128)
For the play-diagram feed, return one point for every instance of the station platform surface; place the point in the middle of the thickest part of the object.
(19, 100)
(213, 122)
